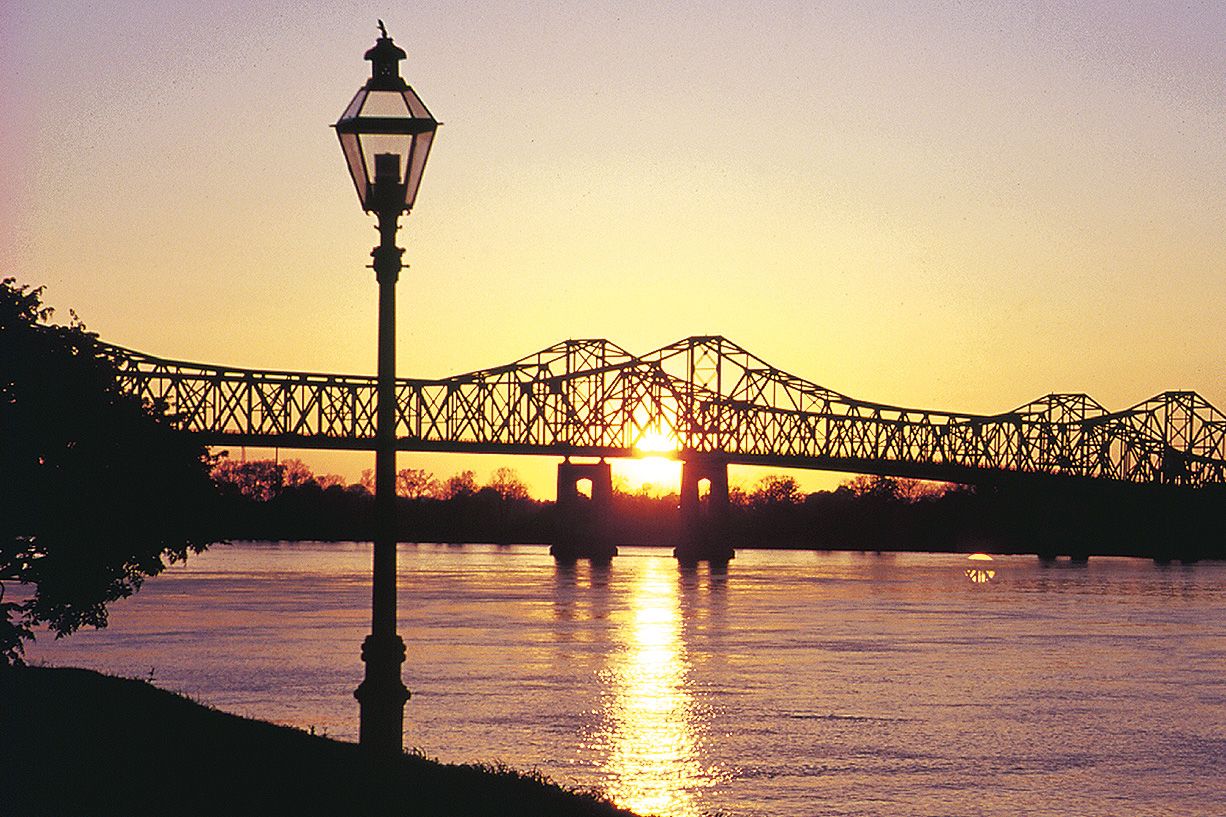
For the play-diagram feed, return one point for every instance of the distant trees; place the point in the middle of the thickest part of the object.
(97, 490)
(895, 488)
(415, 483)
(269, 500)
(263, 480)
(296, 473)
(507, 484)
(260, 480)
(866, 512)
(459, 485)
(774, 489)
(326, 481)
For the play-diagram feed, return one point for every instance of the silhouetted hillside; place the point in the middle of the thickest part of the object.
(78, 743)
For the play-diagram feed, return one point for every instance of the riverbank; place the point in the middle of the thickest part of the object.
(76, 742)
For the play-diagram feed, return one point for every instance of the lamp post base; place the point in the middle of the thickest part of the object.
(382, 695)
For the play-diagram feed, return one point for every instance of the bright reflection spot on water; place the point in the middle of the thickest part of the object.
(980, 574)
(649, 726)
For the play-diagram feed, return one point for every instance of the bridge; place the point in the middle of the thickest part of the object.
(719, 405)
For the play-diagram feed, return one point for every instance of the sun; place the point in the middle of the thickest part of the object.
(655, 441)
(654, 470)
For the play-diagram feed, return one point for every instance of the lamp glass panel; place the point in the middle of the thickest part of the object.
(355, 104)
(417, 165)
(417, 108)
(385, 104)
(376, 143)
(357, 168)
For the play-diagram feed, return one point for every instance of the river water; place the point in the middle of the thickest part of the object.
(794, 683)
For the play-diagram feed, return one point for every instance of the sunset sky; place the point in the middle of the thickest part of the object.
(947, 205)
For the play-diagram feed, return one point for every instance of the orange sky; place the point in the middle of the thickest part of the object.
(959, 207)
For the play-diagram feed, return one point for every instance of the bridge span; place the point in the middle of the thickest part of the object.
(717, 402)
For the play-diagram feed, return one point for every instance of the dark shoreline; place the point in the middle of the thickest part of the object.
(1046, 520)
(76, 742)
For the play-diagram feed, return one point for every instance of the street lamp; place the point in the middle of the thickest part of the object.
(385, 133)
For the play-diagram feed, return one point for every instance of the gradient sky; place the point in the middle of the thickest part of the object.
(947, 205)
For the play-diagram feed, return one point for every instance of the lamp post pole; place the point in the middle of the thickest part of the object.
(385, 134)
(382, 694)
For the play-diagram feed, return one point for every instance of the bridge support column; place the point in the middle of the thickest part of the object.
(582, 525)
(704, 531)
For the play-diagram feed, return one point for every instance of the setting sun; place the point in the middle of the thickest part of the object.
(655, 441)
(655, 471)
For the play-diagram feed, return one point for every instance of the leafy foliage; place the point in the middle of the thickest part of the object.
(260, 480)
(459, 485)
(773, 489)
(508, 485)
(97, 490)
(414, 483)
(895, 489)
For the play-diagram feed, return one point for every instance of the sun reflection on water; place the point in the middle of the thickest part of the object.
(981, 572)
(649, 728)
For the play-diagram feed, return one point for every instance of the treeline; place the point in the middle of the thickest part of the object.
(263, 499)
(1049, 517)
(267, 500)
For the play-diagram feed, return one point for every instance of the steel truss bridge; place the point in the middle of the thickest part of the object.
(715, 400)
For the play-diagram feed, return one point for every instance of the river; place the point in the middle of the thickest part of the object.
(794, 683)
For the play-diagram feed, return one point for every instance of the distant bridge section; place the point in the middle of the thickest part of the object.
(714, 400)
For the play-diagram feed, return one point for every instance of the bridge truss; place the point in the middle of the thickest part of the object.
(710, 396)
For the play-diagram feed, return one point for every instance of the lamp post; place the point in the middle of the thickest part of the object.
(385, 133)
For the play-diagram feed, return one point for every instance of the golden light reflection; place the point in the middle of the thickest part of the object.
(980, 573)
(649, 730)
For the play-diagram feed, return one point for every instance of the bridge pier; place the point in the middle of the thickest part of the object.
(582, 526)
(704, 530)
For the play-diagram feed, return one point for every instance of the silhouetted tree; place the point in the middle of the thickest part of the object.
(865, 486)
(97, 490)
(326, 481)
(413, 483)
(458, 485)
(296, 473)
(508, 485)
(895, 488)
(773, 489)
(260, 480)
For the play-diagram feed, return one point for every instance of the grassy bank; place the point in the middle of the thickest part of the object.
(74, 742)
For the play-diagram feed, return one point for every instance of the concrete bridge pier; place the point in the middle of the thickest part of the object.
(583, 524)
(704, 528)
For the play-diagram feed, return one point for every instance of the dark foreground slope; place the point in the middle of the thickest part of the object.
(74, 742)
